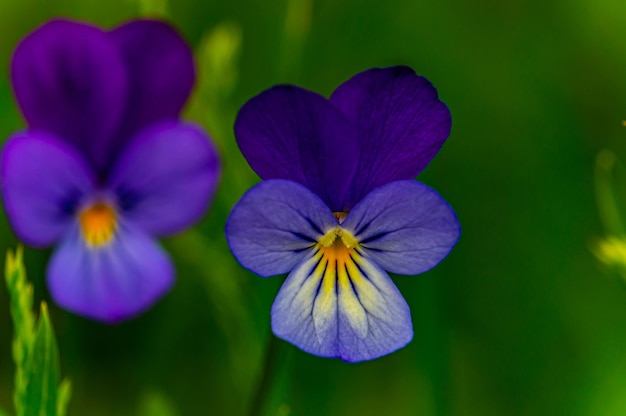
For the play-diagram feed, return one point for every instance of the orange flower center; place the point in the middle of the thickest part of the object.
(98, 224)
(338, 258)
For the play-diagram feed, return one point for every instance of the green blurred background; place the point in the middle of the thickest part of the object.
(520, 319)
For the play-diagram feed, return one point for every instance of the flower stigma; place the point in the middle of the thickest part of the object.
(98, 223)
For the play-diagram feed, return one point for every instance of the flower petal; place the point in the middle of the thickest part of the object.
(69, 79)
(113, 282)
(401, 125)
(166, 177)
(351, 311)
(274, 223)
(288, 132)
(405, 226)
(43, 181)
(161, 72)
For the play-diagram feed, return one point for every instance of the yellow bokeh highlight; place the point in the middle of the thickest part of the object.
(611, 251)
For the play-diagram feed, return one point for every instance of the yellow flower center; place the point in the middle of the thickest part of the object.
(98, 224)
(338, 236)
(339, 258)
(337, 247)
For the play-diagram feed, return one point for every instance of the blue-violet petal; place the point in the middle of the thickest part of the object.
(43, 181)
(341, 306)
(166, 177)
(110, 283)
(404, 226)
(274, 224)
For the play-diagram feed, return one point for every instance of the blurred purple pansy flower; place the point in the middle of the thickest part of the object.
(338, 207)
(105, 165)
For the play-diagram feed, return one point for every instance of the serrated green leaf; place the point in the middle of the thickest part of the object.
(63, 397)
(21, 293)
(40, 398)
(35, 352)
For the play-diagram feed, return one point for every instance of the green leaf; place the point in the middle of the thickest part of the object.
(21, 293)
(3, 413)
(40, 398)
(63, 397)
(35, 352)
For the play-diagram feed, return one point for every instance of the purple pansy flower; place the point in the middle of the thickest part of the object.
(105, 165)
(338, 207)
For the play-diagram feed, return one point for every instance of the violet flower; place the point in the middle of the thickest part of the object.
(105, 165)
(337, 207)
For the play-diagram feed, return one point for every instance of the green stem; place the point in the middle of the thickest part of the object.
(267, 378)
(436, 345)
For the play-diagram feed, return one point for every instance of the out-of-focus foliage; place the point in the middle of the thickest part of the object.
(611, 249)
(35, 352)
(156, 404)
(520, 319)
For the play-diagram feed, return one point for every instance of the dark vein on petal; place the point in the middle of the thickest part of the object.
(302, 236)
(314, 226)
(319, 285)
(309, 273)
(374, 237)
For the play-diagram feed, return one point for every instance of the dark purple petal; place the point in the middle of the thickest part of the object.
(274, 223)
(160, 69)
(43, 181)
(113, 282)
(401, 125)
(405, 226)
(69, 79)
(288, 132)
(352, 311)
(166, 177)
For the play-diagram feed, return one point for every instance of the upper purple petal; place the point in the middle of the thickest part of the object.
(288, 132)
(69, 79)
(166, 177)
(274, 223)
(401, 125)
(43, 180)
(160, 69)
(405, 226)
(110, 283)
